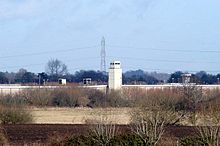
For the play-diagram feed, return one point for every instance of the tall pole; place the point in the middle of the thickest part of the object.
(103, 55)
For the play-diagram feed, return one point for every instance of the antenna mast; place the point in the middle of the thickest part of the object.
(103, 55)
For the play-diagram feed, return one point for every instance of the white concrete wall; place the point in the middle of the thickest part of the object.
(96, 87)
(16, 88)
(169, 86)
(13, 89)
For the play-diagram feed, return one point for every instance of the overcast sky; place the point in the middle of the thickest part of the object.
(153, 35)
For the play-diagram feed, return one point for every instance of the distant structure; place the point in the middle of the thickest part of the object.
(115, 76)
(62, 81)
(186, 78)
(87, 81)
(103, 55)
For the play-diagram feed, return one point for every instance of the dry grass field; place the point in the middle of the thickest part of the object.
(58, 115)
(80, 115)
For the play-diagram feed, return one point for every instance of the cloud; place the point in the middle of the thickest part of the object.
(130, 9)
(21, 9)
(141, 7)
(77, 15)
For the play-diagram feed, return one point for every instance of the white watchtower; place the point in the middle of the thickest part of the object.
(115, 76)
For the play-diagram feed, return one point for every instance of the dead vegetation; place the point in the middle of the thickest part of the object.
(103, 131)
(148, 111)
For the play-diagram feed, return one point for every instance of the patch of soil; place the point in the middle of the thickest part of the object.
(40, 133)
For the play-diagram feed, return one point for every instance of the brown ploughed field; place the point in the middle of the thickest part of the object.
(39, 133)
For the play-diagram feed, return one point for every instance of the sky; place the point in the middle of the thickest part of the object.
(153, 35)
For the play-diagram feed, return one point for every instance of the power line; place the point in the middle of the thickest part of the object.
(44, 63)
(161, 60)
(129, 58)
(95, 46)
(168, 70)
(47, 52)
(120, 57)
(126, 66)
(166, 50)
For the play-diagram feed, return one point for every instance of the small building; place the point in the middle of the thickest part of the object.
(62, 81)
(186, 78)
(115, 76)
(87, 81)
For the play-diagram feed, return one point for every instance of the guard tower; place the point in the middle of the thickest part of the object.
(115, 76)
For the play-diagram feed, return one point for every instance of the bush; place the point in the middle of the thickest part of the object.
(129, 97)
(62, 98)
(193, 141)
(119, 140)
(70, 141)
(10, 100)
(82, 101)
(38, 97)
(3, 138)
(126, 140)
(116, 99)
(79, 141)
(14, 115)
(56, 140)
(97, 98)
(137, 97)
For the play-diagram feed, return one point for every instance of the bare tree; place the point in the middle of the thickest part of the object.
(104, 130)
(149, 128)
(103, 133)
(56, 68)
(191, 92)
(209, 130)
(191, 96)
(149, 123)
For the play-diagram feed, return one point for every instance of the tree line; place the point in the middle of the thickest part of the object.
(201, 77)
(56, 69)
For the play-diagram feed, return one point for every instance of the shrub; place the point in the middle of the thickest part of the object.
(63, 98)
(38, 97)
(14, 115)
(82, 101)
(3, 138)
(102, 133)
(13, 100)
(97, 98)
(137, 97)
(118, 140)
(69, 140)
(116, 99)
(56, 140)
(79, 141)
(127, 140)
(193, 141)
(179, 99)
